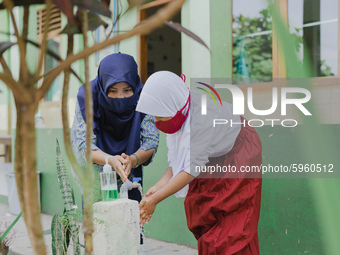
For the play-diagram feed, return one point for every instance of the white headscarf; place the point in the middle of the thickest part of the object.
(164, 94)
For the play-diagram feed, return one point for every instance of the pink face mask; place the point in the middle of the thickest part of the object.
(175, 123)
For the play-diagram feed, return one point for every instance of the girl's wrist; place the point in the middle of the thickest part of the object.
(155, 198)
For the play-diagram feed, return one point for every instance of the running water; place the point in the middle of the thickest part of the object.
(143, 249)
(136, 184)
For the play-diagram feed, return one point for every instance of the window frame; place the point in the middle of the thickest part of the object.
(279, 68)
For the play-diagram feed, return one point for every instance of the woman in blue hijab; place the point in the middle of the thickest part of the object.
(130, 137)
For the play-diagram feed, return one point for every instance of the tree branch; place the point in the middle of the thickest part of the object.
(44, 40)
(26, 21)
(25, 31)
(89, 100)
(153, 22)
(88, 223)
(23, 65)
(5, 66)
(66, 128)
(19, 92)
(64, 113)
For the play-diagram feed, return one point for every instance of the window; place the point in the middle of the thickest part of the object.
(313, 23)
(252, 41)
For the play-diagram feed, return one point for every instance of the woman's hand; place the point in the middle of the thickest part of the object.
(117, 163)
(130, 163)
(147, 207)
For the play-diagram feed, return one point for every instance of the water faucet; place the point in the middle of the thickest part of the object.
(127, 186)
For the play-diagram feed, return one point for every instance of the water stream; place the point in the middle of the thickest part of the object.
(144, 246)
(139, 187)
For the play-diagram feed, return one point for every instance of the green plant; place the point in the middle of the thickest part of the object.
(66, 226)
(62, 232)
(8, 234)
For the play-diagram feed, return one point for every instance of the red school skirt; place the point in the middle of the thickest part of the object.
(223, 213)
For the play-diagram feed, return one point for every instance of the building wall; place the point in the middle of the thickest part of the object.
(5, 96)
(291, 215)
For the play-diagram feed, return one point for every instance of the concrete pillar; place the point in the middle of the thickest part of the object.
(117, 230)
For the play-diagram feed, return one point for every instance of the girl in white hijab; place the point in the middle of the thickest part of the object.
(221, 212)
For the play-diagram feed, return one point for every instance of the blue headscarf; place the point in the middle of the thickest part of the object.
(116, 123)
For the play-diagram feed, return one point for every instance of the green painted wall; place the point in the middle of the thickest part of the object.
(290, 221)
(220, 39)
(4, 17)
(127, 22)
(168, 222)
(50, 197)
(186, 49)
(51, 200)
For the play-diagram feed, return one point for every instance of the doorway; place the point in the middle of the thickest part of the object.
(161, 49)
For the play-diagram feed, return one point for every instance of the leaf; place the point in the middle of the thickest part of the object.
(93, 6)
(179, 28)
(66, 7)
(52, 54)
(94, 21)
(67, 236)
(66, 193)
(3, 236)
(23, 3)
(107, 2)
(73, 199)
(64, 183)
(57, 229)
(5, 46)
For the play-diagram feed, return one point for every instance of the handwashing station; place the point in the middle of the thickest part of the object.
(117, 229)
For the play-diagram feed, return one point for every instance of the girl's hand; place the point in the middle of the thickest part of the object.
(130, 163)
(147, 207)
(151, 190)
(117, 163)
